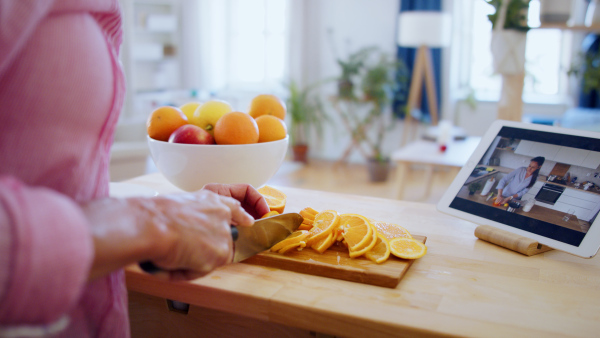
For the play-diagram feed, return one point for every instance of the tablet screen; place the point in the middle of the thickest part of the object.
(538, 181)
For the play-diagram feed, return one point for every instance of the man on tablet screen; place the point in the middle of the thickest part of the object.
(517, 183)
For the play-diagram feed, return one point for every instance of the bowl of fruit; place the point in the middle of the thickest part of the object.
(201, 143)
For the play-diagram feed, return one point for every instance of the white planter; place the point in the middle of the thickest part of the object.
(508, 51)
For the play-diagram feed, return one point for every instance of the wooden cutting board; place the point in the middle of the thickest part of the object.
(336, 263)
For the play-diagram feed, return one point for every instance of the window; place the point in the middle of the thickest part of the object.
(545, 75)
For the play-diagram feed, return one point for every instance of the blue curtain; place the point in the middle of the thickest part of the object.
(407, 56)
(590, 47)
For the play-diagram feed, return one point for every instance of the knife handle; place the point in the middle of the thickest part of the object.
(151, 268)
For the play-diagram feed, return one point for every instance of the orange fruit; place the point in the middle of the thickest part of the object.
(294, 238)
(270, 128)
(275, 198)
(163, 121)
(270, 213)
(324, 243)
(390, 230)
(358, 232)
(236, 128)
(380, 251)
(324, 223)
(266, 104)
(407, 248)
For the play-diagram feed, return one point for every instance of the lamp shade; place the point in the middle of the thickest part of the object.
(428, 28)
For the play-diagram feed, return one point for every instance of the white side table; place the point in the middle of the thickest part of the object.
(428, 153)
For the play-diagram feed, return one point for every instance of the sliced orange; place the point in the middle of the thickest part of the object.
(275, 198)
(390, 230)
(381, 251)
(358, 231)
(324, 243)
(363, 249)
(294, 238)
(324, 223)
(270, 213)
(305, 226)
(309, 215)
(407, 248)
(298, 246)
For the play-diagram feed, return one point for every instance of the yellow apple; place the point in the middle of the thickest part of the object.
(189, 108)
(208, 113)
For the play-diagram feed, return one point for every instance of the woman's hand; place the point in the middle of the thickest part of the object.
(188, 235)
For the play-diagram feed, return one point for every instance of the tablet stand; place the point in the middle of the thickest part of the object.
(511, 241)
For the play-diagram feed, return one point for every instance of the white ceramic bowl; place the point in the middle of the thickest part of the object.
(191, 166)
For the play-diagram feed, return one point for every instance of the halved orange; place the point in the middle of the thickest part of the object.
(390, 230)
(324, 243)
(358, 232)
(381, 251)
(275, 198)
(294, 238)
(407, 248)
(324, 223)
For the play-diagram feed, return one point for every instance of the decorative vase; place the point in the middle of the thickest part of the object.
(508, 51)
(378, 170)
(300, 153)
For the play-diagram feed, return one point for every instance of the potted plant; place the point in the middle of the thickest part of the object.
(588, 68)
(473, 187)
(509, 28)
(370, 123)
(351, 69)
(306, 114)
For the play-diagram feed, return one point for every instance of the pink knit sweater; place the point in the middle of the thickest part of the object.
(61, 91)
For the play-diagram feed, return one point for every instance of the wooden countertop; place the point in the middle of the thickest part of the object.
(462, 286)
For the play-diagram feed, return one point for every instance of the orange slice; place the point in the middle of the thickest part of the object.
(305, 226)
(324, 223)
(287, 248)
(358, 232)
(309, 213)
(381, 251)
(390, 230)
(363, 249)
(275, 198)
(324, 244)
(407, 248)
(294, 238)
(270, 213)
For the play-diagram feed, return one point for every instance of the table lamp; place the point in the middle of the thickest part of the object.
(423, 30)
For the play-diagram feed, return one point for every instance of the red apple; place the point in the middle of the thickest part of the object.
(191, 134)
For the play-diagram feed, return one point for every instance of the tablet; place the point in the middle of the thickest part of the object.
(548, 180)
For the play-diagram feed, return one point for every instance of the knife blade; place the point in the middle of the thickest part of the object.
(264, 234)
(248, 241)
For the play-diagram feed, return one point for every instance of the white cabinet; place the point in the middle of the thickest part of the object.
(533, 149)
(524, 147)
(592, 160)
(533, 190)
(582, 202)
(560, 154)
(572, 156)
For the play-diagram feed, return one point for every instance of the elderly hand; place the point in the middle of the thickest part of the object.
(188, 235)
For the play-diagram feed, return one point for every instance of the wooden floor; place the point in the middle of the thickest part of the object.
(352, 178)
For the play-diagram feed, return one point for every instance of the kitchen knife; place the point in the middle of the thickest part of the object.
(259, 237)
